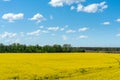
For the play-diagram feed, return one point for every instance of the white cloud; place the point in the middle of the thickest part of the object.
(79, 7)
(118, 20)
(53, 28)
(83, 29)
(106, 23)
(60, 3)
(38, 17)
(41, 27)
(72, 8)
(92, 8)
(70, 31)
(83, 37)
(103, 6)
(34, 33)
(64, 37)
(118, 35)
(7, 35)
(11, 17)
(57, 28)
(45, 31)
(6, 0)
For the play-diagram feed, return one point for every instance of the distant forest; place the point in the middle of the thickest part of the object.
(21, 48)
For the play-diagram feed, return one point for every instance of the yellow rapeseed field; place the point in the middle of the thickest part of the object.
(59, 66)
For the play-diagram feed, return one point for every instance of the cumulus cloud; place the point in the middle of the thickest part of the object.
(7, 35)
(70, 31)
(79, 7)
(38, 17)
(82, 29)
(34, 33)
(106, 23)
(11, 17)
(92, 8)
(72, 7)
(53, 28)
(60, 3)
(83, 37)
(118, 20)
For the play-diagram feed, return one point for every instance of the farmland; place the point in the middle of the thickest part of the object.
(59, 66)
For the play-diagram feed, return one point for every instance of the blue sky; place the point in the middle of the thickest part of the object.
(46, 22)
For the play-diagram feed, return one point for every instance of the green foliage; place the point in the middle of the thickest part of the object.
(20, 48)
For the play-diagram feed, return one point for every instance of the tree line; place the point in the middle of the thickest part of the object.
(22, 48)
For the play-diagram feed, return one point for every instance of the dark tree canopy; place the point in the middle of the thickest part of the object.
(21, 48)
